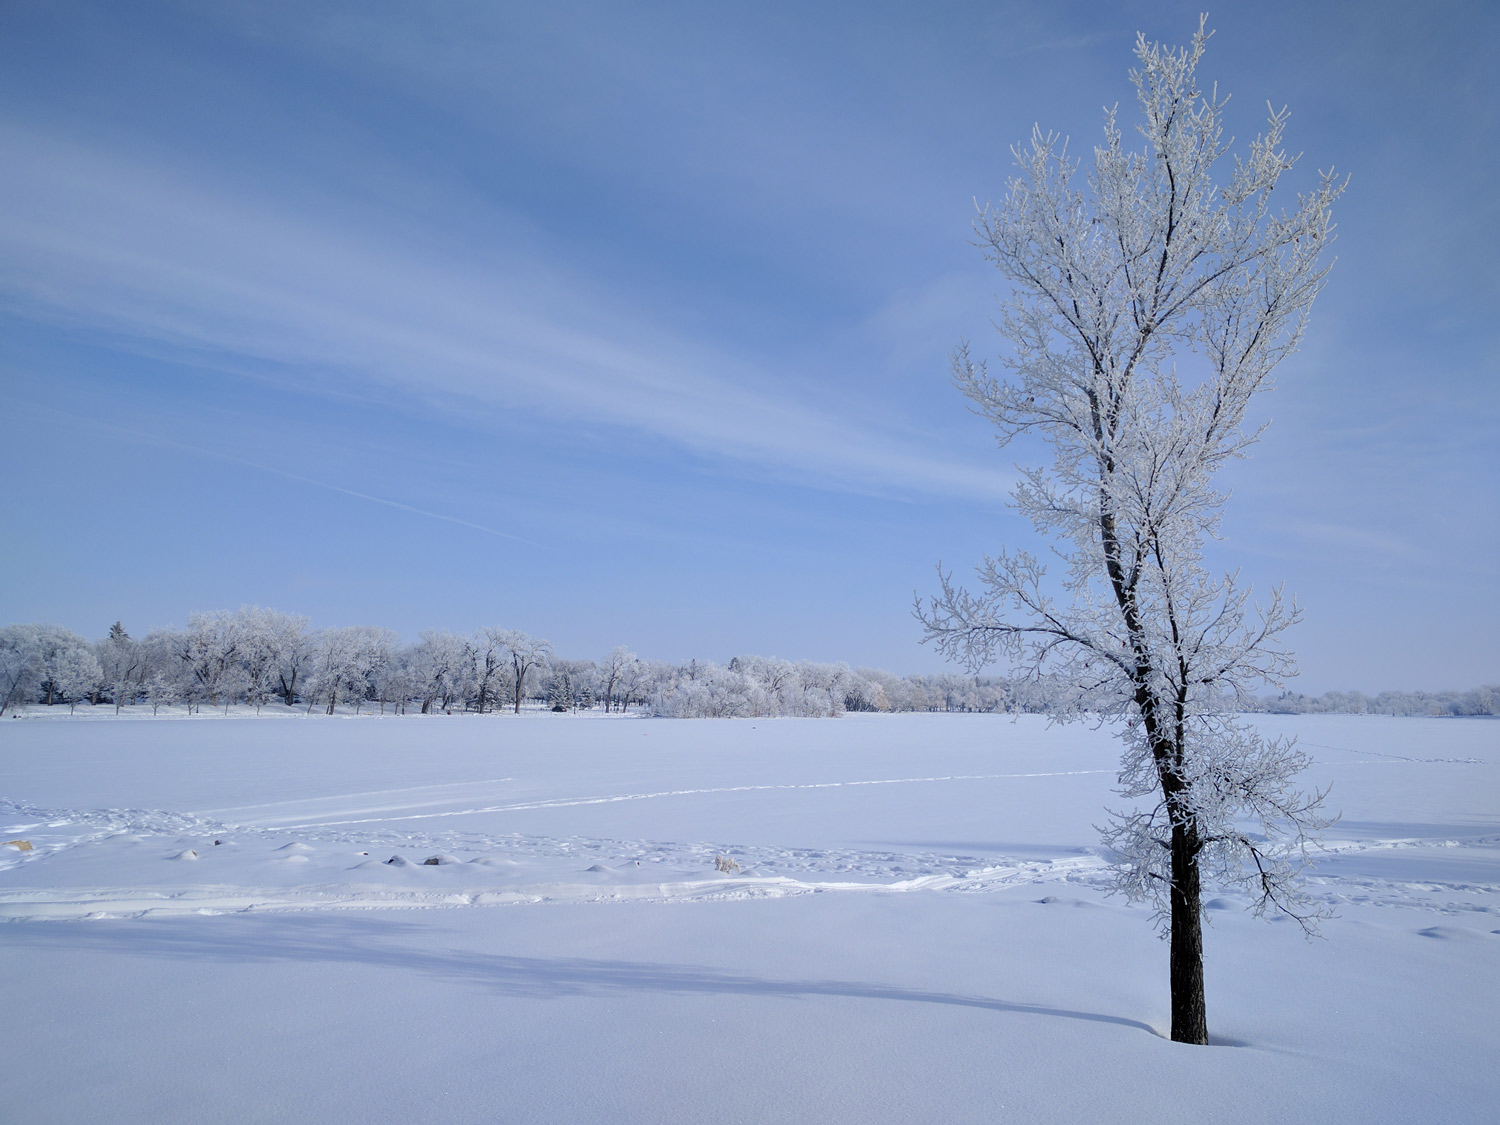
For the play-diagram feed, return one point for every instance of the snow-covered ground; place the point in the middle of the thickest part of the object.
(209, 926)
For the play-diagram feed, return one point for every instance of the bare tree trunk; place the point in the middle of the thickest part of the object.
(1189, 1011)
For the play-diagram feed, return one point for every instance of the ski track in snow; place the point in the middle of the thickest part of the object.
(614, 798)
(554, 869)
(363, 793)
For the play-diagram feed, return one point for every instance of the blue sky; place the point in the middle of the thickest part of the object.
(629, 323)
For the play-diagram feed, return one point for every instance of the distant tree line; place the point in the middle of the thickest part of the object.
(1478, 701)
(253, 657)
(260, 657)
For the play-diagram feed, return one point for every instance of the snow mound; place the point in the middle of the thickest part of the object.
(294, 846)
(189, 854)
(1061, 900)
(399, 861)
(1449, 933)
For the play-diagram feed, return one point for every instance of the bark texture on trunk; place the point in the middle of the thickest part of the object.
(1189, 1011)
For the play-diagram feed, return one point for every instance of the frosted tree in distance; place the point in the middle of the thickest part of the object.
(20, 664)
(489, 657)
(614, 672)
(526, 653)
(1153, 262)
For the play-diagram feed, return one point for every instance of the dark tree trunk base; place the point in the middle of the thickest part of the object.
(1189, 1011)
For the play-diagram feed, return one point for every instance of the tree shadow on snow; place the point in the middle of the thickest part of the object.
(310, 939)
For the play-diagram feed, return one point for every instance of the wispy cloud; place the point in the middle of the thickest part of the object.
(154, 254)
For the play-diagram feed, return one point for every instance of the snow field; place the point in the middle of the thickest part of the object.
(918, 931)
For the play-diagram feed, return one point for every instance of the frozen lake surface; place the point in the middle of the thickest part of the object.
(209, 927)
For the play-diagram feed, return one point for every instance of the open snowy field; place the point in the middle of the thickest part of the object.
(210, 926)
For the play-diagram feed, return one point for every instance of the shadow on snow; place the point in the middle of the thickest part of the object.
(311, 940)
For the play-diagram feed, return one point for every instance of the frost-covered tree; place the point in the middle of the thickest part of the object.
(234, 685)
(347, 662)
(1154, 261)
(778, 681)
(75, 674)
(823, 688)
(380, 650)
(490, 660)
(272, 651)
(122, 664)
(204, 657)
(398, 680)
(613, 673)
(709, 691)
(526, 654)
(635, 683)
(167, 673)
(865, 693)
(441, 666)
(894, 692)
(65, 665)
(20, 665)
(569, 682)
(163, 691)
(585, 682)
(47, 664)
(559, 690)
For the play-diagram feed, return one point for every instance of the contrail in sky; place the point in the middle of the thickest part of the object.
(172, 443)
